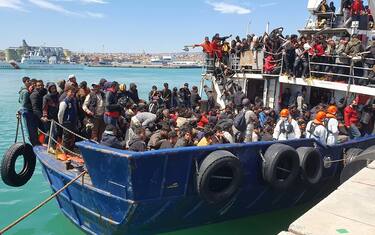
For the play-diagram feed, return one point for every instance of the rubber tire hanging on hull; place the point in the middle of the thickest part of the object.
(219, 177)
(354, 165)
(8, 165)
(311, 162)
(281, 166)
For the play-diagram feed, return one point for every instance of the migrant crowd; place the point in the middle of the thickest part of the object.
(115, 116)
(315, 55)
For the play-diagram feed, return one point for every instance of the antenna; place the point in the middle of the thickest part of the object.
(268, 28)
(248, 28)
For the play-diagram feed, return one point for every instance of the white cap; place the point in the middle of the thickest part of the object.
(71, 76)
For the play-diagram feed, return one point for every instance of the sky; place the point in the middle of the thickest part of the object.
(134, 26)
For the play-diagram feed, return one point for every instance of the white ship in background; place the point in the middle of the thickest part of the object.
(39, 57)
(33, 61)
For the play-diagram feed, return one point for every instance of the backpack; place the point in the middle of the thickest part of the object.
(239, 122)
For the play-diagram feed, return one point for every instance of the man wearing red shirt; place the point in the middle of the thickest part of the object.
(207, 47)
(351, 118)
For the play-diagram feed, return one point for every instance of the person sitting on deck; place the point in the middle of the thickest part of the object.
(315, 129)
(170, 142)
(207, 138)
(137, 142)
(286, 128)
(110, 138)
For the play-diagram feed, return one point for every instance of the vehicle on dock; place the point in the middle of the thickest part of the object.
(124, 192)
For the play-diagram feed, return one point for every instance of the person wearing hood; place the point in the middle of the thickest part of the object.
(133, 93)
(110, 138)
(137, 142)
(60, 86)
(36, 99)
(26, 109)
(50, 112)
(112, 108)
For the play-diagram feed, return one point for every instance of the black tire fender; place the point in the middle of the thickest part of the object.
(350, 154)
(219, 176)
(311, 162)
(281, 166)
(8, 164)
(354, 165)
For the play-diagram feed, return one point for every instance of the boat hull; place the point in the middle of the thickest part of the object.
(152, 192)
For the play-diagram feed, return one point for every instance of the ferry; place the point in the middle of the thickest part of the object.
(35, 61)
(123, 192)
(5, 65)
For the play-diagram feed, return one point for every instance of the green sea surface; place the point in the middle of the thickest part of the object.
(14, 202)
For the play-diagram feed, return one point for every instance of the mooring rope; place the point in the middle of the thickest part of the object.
(42, 203)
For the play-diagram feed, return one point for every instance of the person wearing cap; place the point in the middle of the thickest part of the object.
(101, 83)
(72, 81)
(112, 108)
(315, 129)
(286, 128)
(332, 125)
(93, 106)
(351, 119)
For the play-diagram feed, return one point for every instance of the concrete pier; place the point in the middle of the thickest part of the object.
(348, 210)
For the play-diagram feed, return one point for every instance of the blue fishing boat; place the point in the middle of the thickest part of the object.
(157, 191)
(123, 192)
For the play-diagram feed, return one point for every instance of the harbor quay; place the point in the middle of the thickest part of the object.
(348, 210)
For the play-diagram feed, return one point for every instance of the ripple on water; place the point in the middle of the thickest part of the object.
(10, 203)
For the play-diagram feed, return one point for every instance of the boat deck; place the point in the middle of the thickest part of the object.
(348, 210)
(59, 166)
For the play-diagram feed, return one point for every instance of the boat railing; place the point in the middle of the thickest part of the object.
(52, 133)
(355, 69)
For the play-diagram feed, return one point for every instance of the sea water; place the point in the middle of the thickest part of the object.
(14, 202)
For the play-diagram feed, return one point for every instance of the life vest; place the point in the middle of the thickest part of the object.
(313, 126)
(70, 114)
(286, 129)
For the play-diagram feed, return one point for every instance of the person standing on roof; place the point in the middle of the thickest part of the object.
(286, 128)
(351, 118)
(315, 129)
(332, 125)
